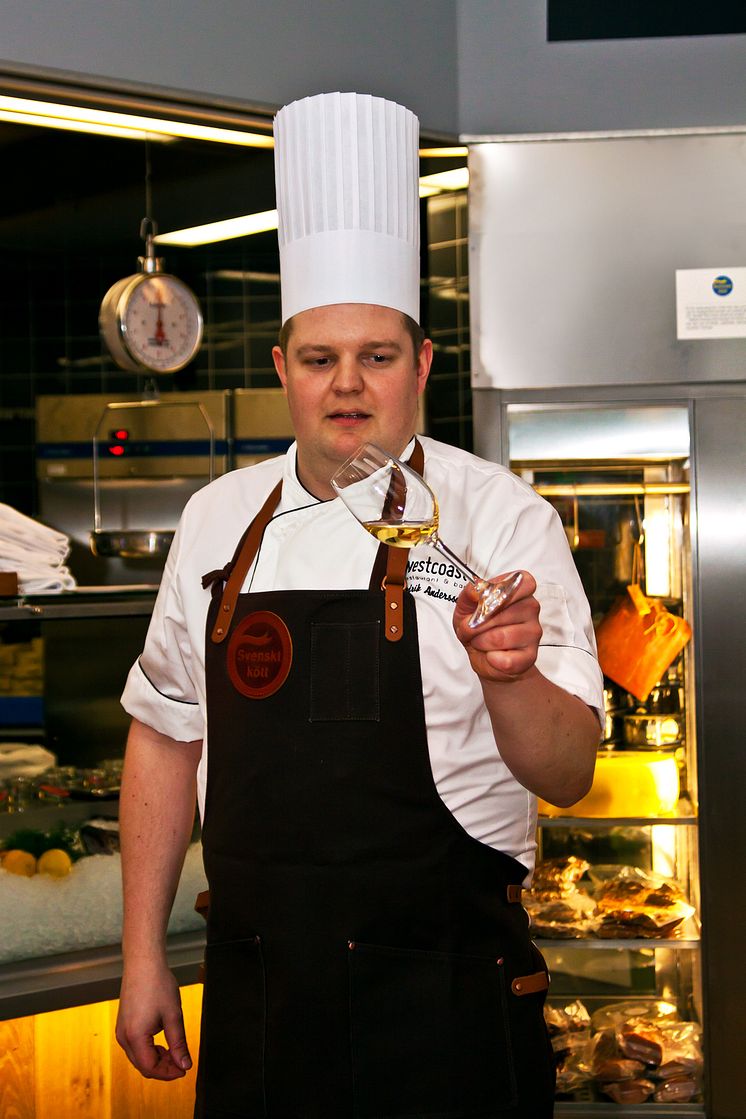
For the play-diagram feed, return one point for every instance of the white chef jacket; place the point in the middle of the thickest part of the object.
(488, 516)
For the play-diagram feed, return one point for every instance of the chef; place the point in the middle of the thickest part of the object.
(366, 764)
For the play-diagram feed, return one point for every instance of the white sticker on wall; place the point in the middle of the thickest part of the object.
(711, 303)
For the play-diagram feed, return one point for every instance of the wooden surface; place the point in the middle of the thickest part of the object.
(67, 1065)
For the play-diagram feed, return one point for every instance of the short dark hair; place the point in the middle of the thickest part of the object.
(413, 329)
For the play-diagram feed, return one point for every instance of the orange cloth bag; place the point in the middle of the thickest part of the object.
(637, 641)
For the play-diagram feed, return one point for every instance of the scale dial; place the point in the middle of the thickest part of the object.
(151, 323)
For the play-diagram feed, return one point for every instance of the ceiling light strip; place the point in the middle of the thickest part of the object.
(249, 224)
(49, 112)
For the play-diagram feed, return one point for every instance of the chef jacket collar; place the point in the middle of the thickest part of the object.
(294, 493)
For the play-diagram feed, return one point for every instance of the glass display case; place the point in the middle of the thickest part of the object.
(64, 660)
(615, 904)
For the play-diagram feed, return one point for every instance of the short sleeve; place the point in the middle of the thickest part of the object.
(161, 688)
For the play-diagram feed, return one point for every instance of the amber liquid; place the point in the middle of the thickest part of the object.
(405, 534)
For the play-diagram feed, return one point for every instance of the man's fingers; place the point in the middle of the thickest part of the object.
(177, 1043)
(154, 1061)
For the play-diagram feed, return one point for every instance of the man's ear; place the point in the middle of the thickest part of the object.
(424, 361)
(278, 358)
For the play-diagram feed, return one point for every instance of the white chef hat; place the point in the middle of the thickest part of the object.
(346, 170)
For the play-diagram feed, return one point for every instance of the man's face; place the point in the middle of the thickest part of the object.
(351, 376)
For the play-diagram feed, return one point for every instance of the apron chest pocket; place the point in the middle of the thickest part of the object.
(230, 1078)
(429, 1034)
(345, 672)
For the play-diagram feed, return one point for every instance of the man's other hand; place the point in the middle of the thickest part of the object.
(150, 1002)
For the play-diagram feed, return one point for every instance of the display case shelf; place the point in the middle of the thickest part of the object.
(615, 821)
(687, 938)
(599, 1110)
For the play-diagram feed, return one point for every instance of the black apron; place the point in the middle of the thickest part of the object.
(366, 957)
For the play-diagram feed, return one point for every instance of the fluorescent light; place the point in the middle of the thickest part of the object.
(457, 179)
(241, 276)
(445, 153)
(82, 126)
(78, 118)
(220, 230)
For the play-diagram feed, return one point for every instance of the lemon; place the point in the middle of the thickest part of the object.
(55, 862)
(19, 862)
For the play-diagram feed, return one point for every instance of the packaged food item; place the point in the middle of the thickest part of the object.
(563, 918)
(569, 1030)
(640, 1049)
(557, 878)
(682, 1051)
(629, 1091)
(641, 1041)
(615, 1014)
(571, 1018)
(617, 1068)
(676, 1089)
(635, 903)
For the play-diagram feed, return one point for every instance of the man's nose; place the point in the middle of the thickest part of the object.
(347, 375)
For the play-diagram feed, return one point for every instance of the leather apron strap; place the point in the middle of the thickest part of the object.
(393, 584)
(243, 560)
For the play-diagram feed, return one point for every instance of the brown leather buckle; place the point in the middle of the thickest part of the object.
(393, 589)
(202, 904)
(530, 984)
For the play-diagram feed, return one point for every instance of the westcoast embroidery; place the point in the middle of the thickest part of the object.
(437, 579)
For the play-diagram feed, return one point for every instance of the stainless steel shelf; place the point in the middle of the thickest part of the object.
(78, 978)
(85, 602)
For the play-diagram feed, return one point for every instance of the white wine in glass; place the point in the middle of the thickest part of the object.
(396, 505)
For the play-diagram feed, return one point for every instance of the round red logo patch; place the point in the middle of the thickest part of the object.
(260, 653)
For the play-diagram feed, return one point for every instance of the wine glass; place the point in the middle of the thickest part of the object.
(395, 504)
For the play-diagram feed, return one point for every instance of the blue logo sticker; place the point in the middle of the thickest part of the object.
(722, 285)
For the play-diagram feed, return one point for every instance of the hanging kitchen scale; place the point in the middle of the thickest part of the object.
(151, 322)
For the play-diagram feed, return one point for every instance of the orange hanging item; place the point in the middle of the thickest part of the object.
(637, 641)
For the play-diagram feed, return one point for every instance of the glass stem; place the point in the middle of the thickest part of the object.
(472, 576)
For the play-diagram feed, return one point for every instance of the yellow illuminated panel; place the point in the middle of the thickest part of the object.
(627, 783)
(67, 1065)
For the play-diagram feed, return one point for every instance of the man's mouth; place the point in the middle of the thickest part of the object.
(349, 417)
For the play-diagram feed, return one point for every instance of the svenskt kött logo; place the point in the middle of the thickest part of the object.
(259, 655)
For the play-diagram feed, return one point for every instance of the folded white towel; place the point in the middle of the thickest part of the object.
(53, 583)
(39, 578)
(35, 552)
(17, 527)
(11, 552)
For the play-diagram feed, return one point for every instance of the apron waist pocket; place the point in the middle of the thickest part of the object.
(429, 1034)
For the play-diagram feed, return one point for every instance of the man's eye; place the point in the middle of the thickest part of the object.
(319, 362)
(379, 359)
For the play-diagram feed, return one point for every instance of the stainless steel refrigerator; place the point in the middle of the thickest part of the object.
(608, 320)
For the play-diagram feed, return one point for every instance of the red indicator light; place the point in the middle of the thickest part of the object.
(120, 433)
(116, 450)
